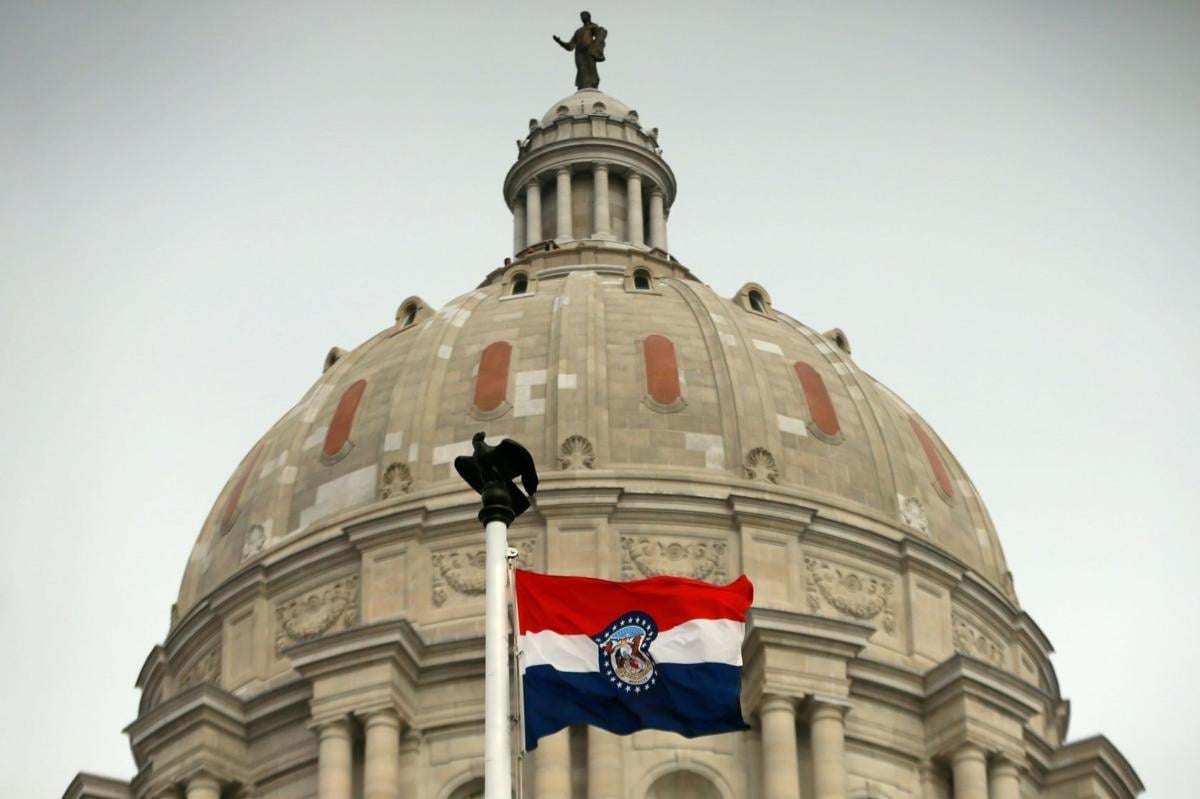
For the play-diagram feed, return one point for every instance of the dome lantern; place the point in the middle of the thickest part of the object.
(589, 171)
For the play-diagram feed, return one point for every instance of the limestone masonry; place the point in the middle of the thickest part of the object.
(328, 637)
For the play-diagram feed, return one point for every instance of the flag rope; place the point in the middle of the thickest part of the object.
(517, 656)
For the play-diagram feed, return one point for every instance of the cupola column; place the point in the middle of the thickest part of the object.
(603, 764)
(781, 764)
(519, 225)
(601, 217)
(334, 760)
(633, 219)
(552, 767)
(970, 772)
(829, 749)
(203, 786)
(381, 769)
(562, 201)
(1004, 778)
(658, 220)
(533, 213)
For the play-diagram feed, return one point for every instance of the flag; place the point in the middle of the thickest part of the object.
(663, 653)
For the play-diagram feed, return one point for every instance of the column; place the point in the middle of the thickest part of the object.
(925, 770)
(203, 786)
(410, 762)
(633, 217)
(658, 220)
(781, 766)
(1004, 779)
(605, 778)
(533, 213)
(519, 225)
(829, 750)
(562, 202)
(552, 767)
(601, 221)
(970, 773)
(381, 767)
(334, 760)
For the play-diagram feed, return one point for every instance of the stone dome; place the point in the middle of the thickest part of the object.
(587, 102)
(665, 383)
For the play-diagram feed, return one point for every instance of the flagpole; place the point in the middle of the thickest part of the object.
(497, 515)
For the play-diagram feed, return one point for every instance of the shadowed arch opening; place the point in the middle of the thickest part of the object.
(682, 785)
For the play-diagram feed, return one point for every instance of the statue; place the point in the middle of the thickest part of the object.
(491, 471)
(588, 44)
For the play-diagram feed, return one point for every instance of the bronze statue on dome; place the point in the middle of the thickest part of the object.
(588, 44)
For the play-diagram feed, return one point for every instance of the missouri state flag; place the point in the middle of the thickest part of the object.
(663, 653)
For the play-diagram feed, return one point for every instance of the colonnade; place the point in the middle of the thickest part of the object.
(527, 209)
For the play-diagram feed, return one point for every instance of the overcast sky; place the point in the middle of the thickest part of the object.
(1000, 204)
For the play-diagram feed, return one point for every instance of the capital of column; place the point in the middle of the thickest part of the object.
(533, 183)
(563, 170)
(656, 191)
(1004, 765)
(821, 708)
(384, 717)
(332, 728)
(774, 702)
(599, 166)
(968, 753)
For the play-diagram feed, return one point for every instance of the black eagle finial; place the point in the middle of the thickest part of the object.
(491, 470)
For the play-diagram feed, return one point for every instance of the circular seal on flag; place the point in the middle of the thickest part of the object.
(624, 650)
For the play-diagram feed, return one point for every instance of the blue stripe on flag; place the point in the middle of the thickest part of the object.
(690, 699)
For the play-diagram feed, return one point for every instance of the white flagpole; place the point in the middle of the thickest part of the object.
(497, 745)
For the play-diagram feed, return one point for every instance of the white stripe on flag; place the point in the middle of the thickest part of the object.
(701, 641)
(696, 641)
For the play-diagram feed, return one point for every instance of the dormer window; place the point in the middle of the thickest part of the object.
(520, 284)
(410, 314)
(641, 280)
(756, 302)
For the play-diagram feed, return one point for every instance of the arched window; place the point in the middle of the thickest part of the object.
(520, 284)
(410, 314)
(472, 790)
(756, 302)
(682, 785)
(641, 280)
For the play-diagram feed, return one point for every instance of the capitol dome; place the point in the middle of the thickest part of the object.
(328, 636)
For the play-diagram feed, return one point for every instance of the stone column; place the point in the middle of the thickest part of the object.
(334, 760)
(410, 762)
(562, 202)
(533, 213)
(203, 786)
(519, 225)
(381, 769)
(828, 750)
(633, 216)
(552, 767)
(781, 764)
(658, 219)
(605, 779)
(925, 771)
(1004, 779)
(970, 772)
(601, 220)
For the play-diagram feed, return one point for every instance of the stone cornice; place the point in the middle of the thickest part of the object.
(203, 728)
(94, 786)
(773, 637)
(1095, 756)
(963, 675)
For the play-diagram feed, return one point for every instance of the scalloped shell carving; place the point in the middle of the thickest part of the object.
(317, 612)
(851, 593)
(576, 453)
(653, 557)
(760, 465)
(912, 513)
(397, 479)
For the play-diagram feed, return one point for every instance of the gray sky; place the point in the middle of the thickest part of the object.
(999, 203)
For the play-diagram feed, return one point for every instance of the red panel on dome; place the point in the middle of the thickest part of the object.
(491, 384)
(935, 460)
(662, 370)
(229, 513)
(343, 418)
(820, 406)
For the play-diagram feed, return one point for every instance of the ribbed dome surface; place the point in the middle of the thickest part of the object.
(599, 380)
(585, 102)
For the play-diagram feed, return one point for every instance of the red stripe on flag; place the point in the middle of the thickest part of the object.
(586, 606)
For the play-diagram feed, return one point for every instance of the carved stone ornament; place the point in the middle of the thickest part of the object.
(207, 669)
(397, 479)
(256, 540)
(912, 513)
(652, 557)
(461, 571)
(852, 593)
(576, 453)
(760, 465)
(317, 612)
(974, 642)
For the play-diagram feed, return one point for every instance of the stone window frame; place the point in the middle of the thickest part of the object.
(631, 275)
(742, 298)
(420, 312)
(506, 285)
